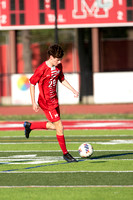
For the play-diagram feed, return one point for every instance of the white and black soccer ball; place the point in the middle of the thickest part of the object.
(85, 150)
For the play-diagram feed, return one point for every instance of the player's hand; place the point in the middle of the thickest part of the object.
(35, 107)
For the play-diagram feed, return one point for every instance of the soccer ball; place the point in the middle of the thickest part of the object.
(85, 150)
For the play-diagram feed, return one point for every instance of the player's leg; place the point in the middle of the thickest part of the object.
(50, 126)
(60, 136)
(54, 116)
(61, 140)
(37, 125)
(34, 125)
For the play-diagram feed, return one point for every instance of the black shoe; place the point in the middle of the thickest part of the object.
(69, 158)
(27, 129)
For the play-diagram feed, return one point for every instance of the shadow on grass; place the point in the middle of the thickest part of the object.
(111, 156)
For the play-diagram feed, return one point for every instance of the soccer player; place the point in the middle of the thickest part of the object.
(47, 76)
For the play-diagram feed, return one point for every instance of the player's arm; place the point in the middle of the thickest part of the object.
(32, 94)
(67, 84)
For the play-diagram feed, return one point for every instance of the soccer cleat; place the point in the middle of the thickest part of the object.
(27, 129)
(69, 158)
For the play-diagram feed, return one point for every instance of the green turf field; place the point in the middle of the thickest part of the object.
(34, 168)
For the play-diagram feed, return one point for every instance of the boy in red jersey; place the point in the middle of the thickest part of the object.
(47, 76)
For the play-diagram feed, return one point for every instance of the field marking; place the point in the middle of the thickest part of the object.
(70, 186)
(109, 142)
(49, 151)
(78, 124)
(30, 159)
(4, 143)
(48, 164)
(58, 172)
(37, 161)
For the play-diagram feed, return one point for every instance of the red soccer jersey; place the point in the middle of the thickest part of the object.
(47, 78)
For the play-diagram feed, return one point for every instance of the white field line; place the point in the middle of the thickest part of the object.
(49, 151)
(111, 142)
(58, 172)
(46, 136)
(4, 143)
(70, 186)
(40, 161)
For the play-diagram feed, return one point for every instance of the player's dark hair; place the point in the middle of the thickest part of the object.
(56, 51)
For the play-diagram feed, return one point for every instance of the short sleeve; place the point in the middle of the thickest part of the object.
(37, 75)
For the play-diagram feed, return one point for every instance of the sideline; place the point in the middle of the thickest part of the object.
(77, 125)
(58, 172)
(70, 186)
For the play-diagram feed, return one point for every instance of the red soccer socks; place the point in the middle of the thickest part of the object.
(61, 141)
(38, 125)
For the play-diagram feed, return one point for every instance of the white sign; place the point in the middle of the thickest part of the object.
(20, 88)
(115, 87)
(64, 94)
